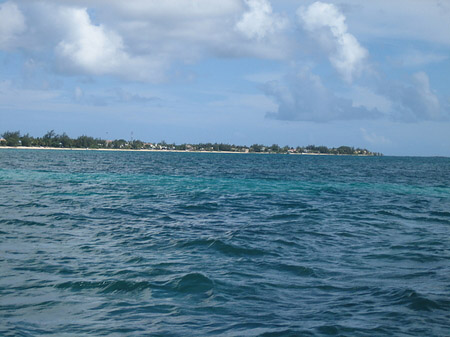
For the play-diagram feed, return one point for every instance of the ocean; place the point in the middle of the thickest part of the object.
(96, 243)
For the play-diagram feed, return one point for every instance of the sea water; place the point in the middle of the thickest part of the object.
(99, 243)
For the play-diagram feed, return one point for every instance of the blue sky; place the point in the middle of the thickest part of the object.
(370, 74)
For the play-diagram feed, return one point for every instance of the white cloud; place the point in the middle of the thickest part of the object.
(304, 97)
(94, 49)
(12, 24)
(411, 20)
(366, 97)
(142, 40)
(414, 101)
(90, 48)
(429, 101)
(260, 21)
(326, 23)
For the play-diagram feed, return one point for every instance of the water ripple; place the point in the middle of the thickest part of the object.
(166, 244)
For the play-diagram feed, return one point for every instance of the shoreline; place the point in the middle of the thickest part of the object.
(174, 151)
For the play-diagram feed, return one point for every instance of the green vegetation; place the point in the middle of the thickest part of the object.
(11, 138)
(51, 139)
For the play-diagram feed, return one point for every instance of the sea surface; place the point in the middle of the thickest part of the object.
(195, 244)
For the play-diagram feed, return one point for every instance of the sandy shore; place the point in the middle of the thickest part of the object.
(177, 151)
(120, 150)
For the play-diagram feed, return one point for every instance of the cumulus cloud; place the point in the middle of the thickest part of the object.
(94, 49)
(90, 48)
(142, 40)
(12, 24)
(260, 21)
(427, 100)
(304, 97)
(367, 97)
(326, 23)
(414, 101)
(145, 39)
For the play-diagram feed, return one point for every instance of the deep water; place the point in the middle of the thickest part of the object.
(191, 244)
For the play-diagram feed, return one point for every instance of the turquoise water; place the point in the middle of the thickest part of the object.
(186, 244)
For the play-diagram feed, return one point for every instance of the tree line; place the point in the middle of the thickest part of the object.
(52, 139)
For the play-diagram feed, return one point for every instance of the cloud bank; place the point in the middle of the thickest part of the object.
(145, 40)
(141, 40)
(415, 100)
(303, 97)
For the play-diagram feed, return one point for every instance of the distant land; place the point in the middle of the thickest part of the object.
(63, 141)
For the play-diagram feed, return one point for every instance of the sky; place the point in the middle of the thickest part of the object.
(372, 74)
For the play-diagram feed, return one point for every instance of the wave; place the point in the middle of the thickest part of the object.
(286, 333)
(223, 247)
(18, 222)
(286, 216)
(417, 301)
(106, 286)
(180, 244)
(297, 270)
(194, 283)
(204, 207)
(414, 300)
(441, 213)
(191, 283)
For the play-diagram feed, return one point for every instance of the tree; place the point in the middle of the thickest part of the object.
(26, 140)
(323, 149)
(85, 142)
(119, 143)
(275, 148)
(137, 144)
(51, 139)
(256, 148)
(12, 138)
(224, 147)
(345, 150)
(65, 140)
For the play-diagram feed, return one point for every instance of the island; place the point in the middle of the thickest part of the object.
(52, 140)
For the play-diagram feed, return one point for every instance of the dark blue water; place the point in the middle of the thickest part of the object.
(184, 244)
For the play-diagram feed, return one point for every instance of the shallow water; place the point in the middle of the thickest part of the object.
(179, 244)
